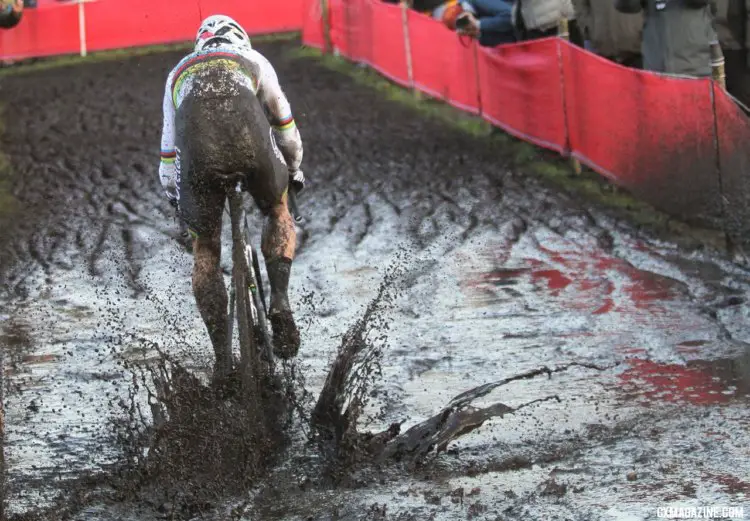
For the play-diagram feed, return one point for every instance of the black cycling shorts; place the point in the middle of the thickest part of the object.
(219, 135)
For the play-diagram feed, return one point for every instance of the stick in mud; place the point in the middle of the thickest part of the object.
(434, 434)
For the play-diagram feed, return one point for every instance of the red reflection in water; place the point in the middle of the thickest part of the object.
(731, 484)
(587, 281)
(555, 280)
(699, 383)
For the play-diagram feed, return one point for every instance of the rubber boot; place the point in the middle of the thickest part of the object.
(286, 339)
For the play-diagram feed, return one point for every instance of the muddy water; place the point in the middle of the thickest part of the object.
(503, 275)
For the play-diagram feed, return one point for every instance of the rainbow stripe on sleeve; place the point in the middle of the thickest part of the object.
(168, 156)
(285, 123)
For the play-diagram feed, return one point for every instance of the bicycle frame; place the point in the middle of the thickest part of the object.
(246, 268)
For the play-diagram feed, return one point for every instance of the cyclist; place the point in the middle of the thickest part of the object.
(225, 114)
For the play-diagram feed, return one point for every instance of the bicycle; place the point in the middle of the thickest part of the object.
(247, 298)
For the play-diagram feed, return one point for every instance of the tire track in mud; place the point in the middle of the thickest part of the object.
(81, 147)
(85, 174)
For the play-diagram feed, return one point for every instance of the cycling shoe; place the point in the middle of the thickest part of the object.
(286, 339)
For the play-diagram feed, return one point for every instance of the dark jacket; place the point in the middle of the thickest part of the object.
(613, 34)
(732, 21)
(677, 34)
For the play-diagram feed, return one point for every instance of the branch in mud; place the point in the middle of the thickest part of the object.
(460, 418)
(457, 419)
(448, 425)
(483, 390)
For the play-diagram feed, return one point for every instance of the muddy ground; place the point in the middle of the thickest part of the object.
(501, 274)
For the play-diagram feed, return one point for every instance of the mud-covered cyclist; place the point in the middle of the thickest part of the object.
(225, 114)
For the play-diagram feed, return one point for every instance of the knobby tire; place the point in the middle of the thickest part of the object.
(249, 369)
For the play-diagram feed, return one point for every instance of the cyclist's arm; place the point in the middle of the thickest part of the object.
(167, 167)
(279, 114)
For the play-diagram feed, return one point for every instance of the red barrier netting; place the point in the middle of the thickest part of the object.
(388, 54)
(734, 158)
(351, 28)
(443, 66)
(312, 25)
(116, 24)
(649, 133)
(259, 16)
(43, 31)
(521, 86)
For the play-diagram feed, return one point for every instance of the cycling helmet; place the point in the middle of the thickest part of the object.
(219, 29)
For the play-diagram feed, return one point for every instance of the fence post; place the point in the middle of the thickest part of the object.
(718, 74)
(405, 5)
(475, 54)
(564, 33)
(325, 17)
(717, 65)
(82, 27)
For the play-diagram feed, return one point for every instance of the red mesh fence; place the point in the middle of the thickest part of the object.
(312, 25)
(649, 133)
(734, 158)
(652, 134)
(521, 89)
(115, 24)
(388, 54)
(43, 31)
(443, 66)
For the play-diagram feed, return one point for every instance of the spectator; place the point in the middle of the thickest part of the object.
(677, 34)
(539, 19)
(614, 35)
(10, 13)
(489, 21)
(732, 21)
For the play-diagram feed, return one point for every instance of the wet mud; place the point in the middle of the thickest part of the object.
(429, 274)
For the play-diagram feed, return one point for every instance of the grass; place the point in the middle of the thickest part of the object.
(529, 158)
(118, 54)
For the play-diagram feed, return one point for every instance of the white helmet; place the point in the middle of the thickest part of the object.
(220, 29)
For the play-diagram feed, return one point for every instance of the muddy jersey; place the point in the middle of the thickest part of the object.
(248, 69)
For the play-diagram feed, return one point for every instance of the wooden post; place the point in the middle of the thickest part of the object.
(407, 43)
(82, 27)
(325, 15)
(717, 65)
(564, 32)
(718, 74)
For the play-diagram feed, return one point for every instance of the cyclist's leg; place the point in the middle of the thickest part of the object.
(268, 187)
(201, 201)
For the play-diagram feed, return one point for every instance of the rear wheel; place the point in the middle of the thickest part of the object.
(242, 280)
(262, 331)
